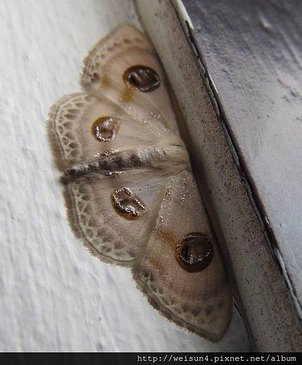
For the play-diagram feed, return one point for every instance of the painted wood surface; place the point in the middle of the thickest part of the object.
(253, 53)
(208, 48)
(55, 296)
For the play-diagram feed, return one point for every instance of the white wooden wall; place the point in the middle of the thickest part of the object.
(55, 296)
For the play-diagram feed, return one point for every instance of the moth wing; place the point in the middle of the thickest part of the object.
(200, 301)
(111, 234)
(169, 207)
(72, 135)
(104, 74)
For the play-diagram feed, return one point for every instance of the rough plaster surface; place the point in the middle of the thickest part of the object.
(55, 296)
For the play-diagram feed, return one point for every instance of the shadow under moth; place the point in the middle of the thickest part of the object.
(129, 190)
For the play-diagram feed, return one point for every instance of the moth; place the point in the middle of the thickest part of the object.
(129, 189)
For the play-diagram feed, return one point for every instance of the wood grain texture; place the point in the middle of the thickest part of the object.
(55, 296)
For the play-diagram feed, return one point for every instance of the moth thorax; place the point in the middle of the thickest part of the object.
(127, 203)
(195, 252)
(105, 128)
(176, 152)
(142, 78)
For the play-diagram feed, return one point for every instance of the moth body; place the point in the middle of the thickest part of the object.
(169, 155)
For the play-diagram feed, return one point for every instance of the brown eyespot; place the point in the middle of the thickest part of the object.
(127, 203)
(194, 252)
(142, 78)
(105, 128)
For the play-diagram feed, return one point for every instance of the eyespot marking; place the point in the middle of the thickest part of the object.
(143, 78)
(105, 128)
(195, 252)
(127, 203)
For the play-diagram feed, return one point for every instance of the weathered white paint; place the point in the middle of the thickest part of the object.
(55, 296)
(265, 296)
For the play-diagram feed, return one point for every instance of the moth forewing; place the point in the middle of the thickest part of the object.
(104, 74)
(196, 297)
(129, 190)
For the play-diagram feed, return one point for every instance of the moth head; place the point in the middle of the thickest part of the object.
(195, 252)
(141, 77)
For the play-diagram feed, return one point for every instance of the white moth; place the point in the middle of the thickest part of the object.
(129, 189)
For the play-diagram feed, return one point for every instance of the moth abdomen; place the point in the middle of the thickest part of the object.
(163, 157)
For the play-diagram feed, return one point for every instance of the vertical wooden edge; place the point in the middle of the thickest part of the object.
(262, 288)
